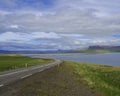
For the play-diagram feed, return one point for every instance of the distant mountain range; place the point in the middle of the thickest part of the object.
(111, 48)
(4, 51)
(101, 49)
(33, 51)
(90, 49)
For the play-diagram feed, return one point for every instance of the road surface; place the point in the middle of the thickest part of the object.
(13, 75)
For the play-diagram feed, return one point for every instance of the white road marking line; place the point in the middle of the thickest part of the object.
(13, 73)
(1, 85)
(41, 70)
(26, 76)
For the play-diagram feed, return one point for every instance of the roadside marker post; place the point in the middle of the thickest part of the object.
(26, 65)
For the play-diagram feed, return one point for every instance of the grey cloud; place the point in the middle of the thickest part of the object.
(68, 21)
(69, 17)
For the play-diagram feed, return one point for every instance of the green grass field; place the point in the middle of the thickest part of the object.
(8, 62)
(101, 78)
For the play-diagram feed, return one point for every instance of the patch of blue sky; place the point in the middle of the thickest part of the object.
(116, 36)
(36, 3)
(30, 4)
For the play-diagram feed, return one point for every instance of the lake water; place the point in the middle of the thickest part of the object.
(106, 59)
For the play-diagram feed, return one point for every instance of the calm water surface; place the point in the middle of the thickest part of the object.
(106, 59)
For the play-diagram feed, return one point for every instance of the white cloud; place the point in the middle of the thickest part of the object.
(25, 37)
(13, 26)
(49, 35)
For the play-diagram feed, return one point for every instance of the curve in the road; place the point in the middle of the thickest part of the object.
(13, 75)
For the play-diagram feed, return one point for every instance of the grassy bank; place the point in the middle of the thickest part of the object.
(13, 61)
(103, 79)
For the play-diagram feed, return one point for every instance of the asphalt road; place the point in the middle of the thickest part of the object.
(13, 75)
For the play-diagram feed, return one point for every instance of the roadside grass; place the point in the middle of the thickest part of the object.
(101, 78)
(14, 61)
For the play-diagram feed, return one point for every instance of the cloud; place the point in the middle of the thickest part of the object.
(60, 24)
(103, 6)
(25, 37)
(66, 21)
(69, 16)
(14, 26)
(51, 40)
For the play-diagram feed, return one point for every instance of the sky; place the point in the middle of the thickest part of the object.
(58, 24)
